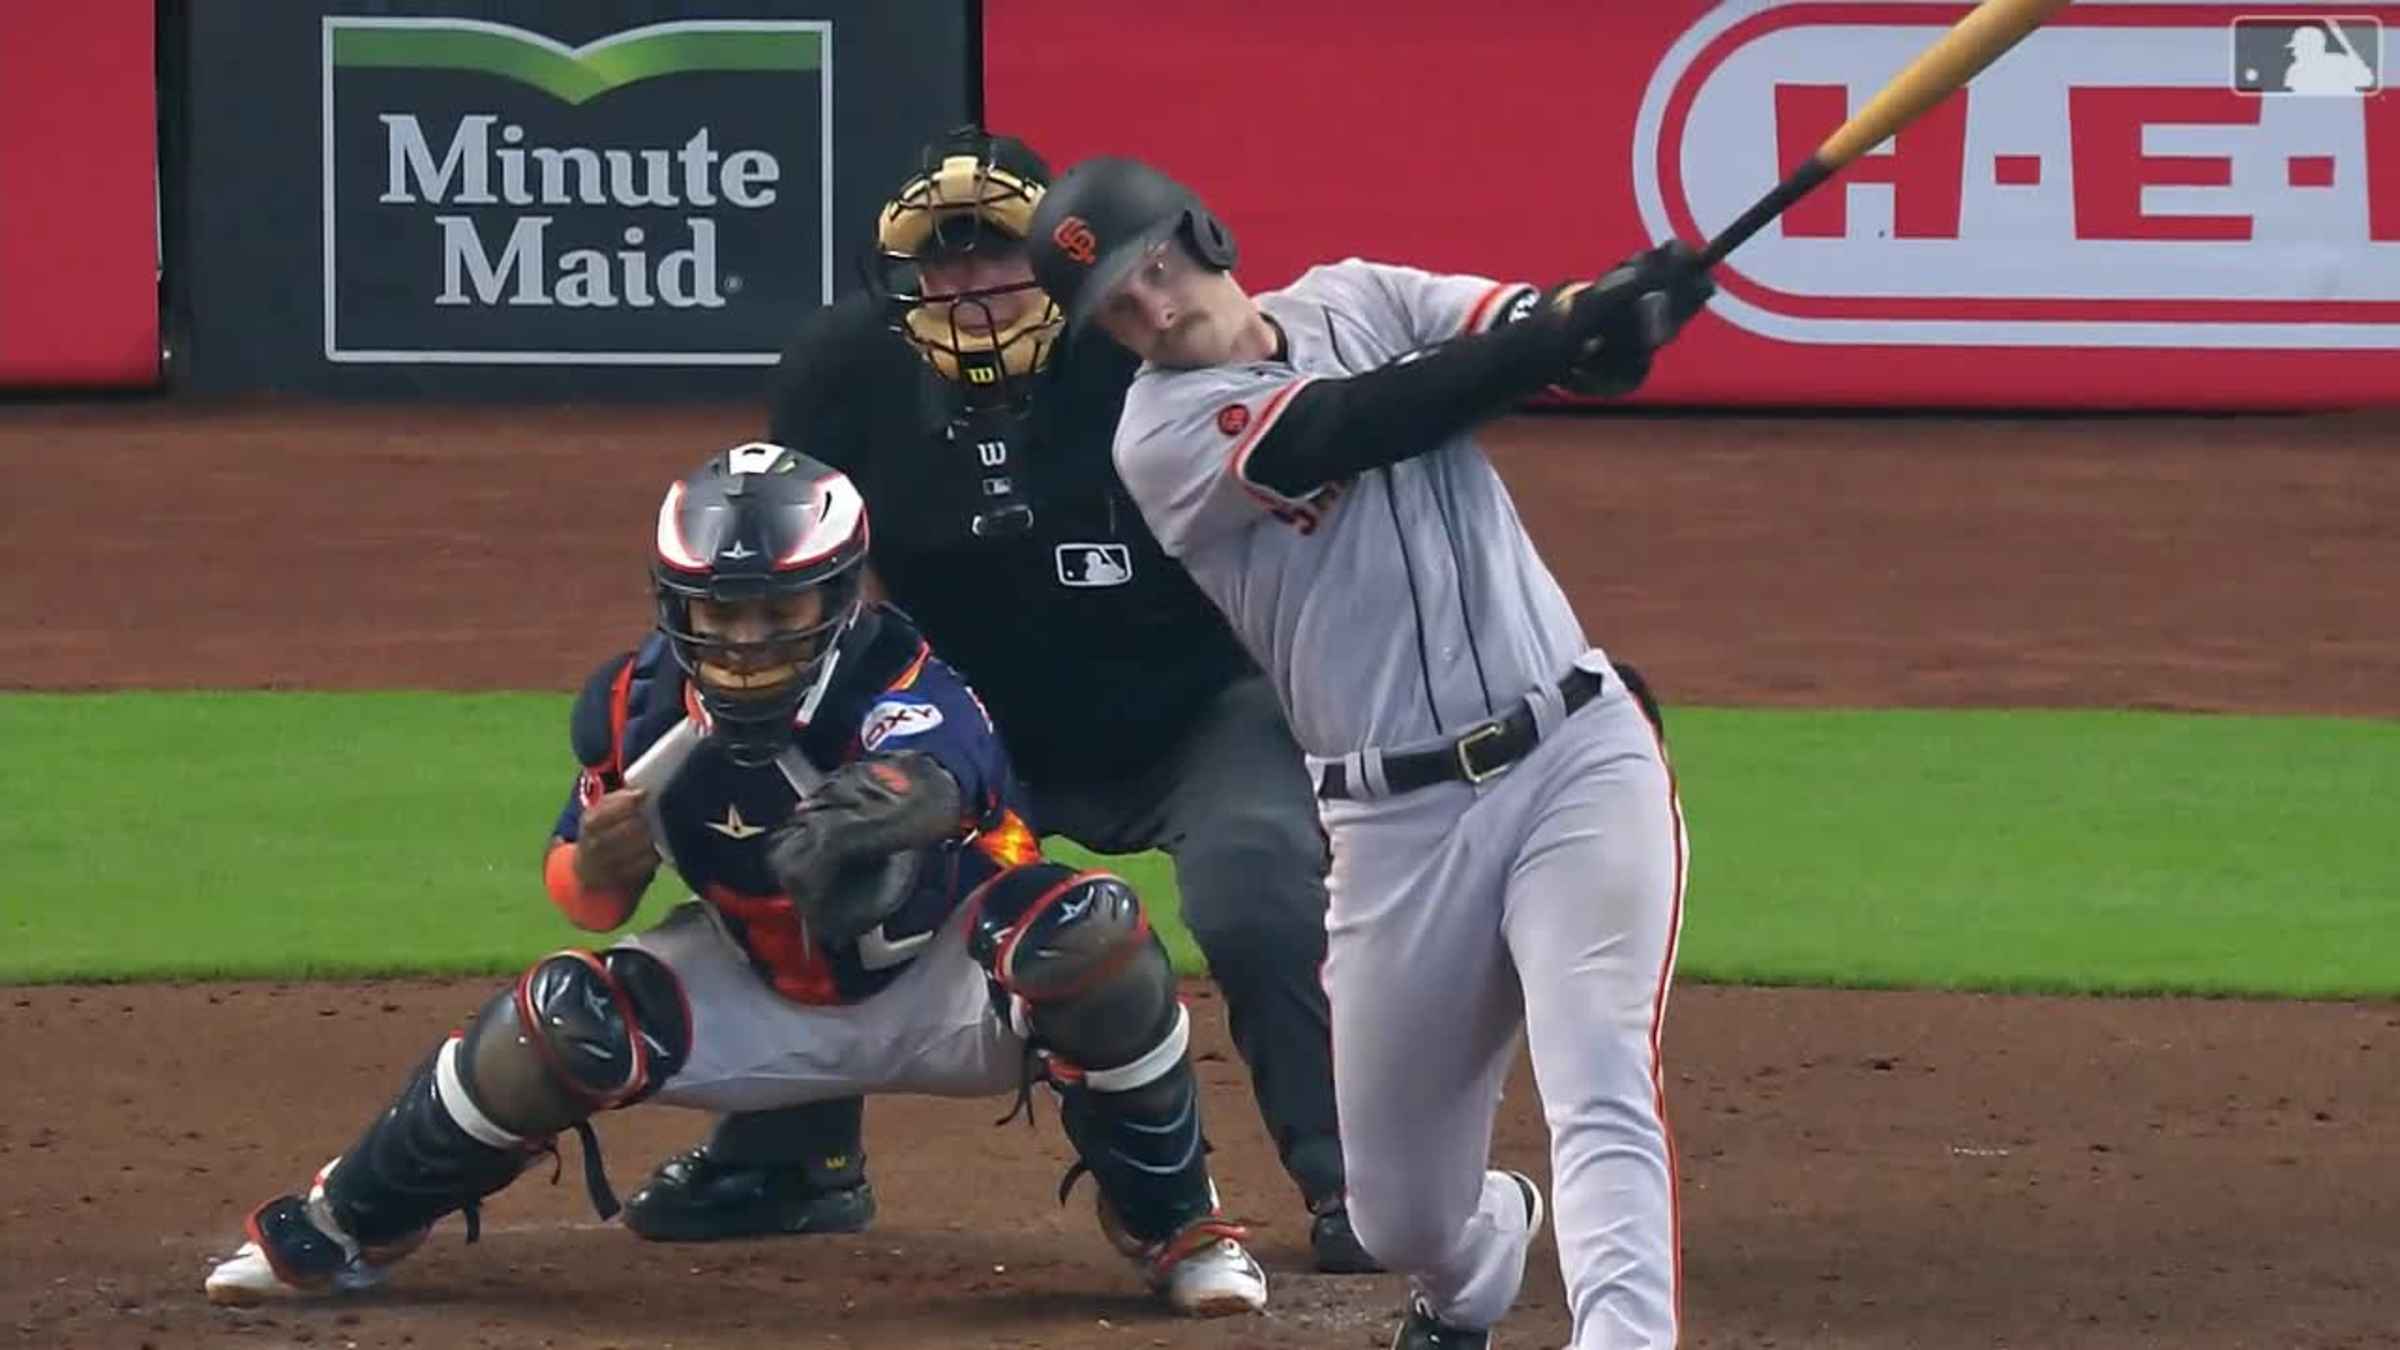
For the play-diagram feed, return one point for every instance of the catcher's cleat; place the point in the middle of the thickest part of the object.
(1334, 1243)
(1202, 1271)
(296, 1250)
(694, 1198)
(1421, 1330)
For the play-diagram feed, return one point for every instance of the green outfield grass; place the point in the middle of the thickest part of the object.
(294, 835)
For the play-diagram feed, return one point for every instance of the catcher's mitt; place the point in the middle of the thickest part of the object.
(843, 857)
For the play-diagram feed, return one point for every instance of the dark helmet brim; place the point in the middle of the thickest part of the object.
(1113, 268)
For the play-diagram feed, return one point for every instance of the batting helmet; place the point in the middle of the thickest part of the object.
(759, 523)
(1102, 216)
(973, 194)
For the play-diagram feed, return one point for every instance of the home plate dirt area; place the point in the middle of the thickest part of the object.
(1858, 1169)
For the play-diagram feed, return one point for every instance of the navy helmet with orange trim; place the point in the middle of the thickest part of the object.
(759, 571)
(1100, 218)
(971, 196)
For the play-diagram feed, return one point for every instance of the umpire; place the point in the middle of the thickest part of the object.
(982, 446)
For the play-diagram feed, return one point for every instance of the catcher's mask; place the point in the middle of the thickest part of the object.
(971, 201)
(759, 572)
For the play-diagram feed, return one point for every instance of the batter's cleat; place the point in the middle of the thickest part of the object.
(1334, 1243)
(1421, 1330)
(296, 1250)
(1533, 1203)
(694, 1198)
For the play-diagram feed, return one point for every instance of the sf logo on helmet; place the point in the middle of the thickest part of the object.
(1074, 238)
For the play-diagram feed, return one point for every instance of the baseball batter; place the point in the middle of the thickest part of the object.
(1508, 848)
(871, 917)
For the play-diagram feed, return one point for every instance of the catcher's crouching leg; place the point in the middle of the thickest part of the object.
(1091, 987)
(576, 1034)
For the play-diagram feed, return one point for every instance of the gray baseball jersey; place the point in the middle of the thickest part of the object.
(1470, 619)
(1393, 610)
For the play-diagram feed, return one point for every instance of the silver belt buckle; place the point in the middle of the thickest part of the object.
(1466, 768)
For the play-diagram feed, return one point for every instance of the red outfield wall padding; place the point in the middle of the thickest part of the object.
(78, 194)
(2128, 210)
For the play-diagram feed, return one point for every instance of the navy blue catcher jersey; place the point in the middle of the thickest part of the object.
(888, 693)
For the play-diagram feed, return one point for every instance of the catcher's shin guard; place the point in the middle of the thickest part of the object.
(414, 1164)
(1091, 984)
(1144, 1149)
(576, 1034)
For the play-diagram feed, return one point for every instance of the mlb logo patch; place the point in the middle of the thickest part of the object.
(1094, 564)
(2321, 56)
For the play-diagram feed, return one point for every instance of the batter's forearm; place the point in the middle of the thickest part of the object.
(1335, 429)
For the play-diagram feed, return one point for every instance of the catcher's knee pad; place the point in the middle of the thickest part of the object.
(1085, 976)
(575, 1035)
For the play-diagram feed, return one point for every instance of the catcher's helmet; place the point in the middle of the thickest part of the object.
(972, 193)
(759, 522)
(1102, 216)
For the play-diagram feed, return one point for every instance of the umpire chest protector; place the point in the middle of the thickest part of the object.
(1091, 646)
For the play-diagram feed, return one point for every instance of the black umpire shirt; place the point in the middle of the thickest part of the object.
(1092, 648)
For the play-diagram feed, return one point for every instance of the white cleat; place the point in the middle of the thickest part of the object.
(1533, 1203)
(1218, 1278)
(296, 1250)
(247, 1278)
(1203, 1271)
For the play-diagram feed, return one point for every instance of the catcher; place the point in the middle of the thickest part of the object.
(871, 916)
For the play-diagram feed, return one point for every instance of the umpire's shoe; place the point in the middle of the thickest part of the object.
(1334, 1243)
(694, 1198)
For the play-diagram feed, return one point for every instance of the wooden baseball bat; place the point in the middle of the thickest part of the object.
(1976, 42)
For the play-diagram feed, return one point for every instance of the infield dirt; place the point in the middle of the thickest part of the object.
(1859, 1170)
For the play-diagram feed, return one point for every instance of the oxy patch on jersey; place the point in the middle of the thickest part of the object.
(896, 719)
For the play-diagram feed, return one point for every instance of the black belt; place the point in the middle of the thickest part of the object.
(1480, 752)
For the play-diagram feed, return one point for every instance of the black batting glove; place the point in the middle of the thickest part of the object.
(1633, 310)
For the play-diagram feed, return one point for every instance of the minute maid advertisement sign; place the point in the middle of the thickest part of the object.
(656, 197)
